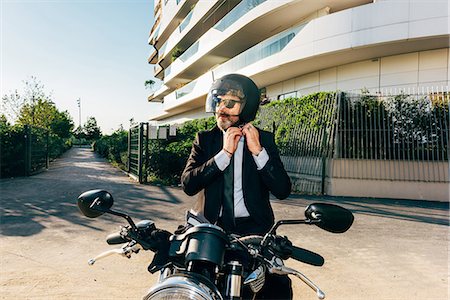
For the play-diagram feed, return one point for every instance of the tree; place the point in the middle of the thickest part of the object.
(91, 129)
(149, 84)
(39, 113)
(33, 106)
(15, 101)
(62, 124)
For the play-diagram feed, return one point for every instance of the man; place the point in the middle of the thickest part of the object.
(235, 165)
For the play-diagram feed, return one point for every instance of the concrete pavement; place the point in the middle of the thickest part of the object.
(396, 249)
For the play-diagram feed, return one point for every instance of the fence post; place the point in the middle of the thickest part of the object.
(324, 161)
(47, 156)
(129, 151)
(141, 135)
(146, 156)
(27, 136)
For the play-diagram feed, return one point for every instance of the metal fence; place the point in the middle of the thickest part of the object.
(24, 151)
(36, 149)
(138, 151)
(398, 136)
(305, 139)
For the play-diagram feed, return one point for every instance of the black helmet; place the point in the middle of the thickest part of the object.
(236, 85)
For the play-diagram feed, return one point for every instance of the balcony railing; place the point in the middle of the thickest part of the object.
(187, 89)
(271, 46)
(236, 13)
(167, 71)
(162, 50)
(186, 21)
(189, 52)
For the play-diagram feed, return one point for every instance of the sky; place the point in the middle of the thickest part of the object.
(95, 51)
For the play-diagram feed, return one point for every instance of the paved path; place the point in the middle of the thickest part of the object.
(395, 250)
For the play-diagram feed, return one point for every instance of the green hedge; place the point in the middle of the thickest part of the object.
(12, 147)
(288, 115)
(167, 158)
(114, 147)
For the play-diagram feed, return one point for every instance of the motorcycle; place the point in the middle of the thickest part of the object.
(200, 261)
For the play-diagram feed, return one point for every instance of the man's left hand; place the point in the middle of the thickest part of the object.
(252, 138)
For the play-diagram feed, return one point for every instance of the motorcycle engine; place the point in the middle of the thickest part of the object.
(183, 287)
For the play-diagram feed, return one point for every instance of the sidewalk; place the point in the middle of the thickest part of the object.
(396, 249)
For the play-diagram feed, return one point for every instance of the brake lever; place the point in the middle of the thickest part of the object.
(277, 267)
(125, 250)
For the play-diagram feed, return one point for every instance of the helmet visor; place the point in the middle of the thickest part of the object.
(218, 96)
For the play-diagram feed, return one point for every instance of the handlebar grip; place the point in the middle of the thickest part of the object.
(115, 238)
(307, 256)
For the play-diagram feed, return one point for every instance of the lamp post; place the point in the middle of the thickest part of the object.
(79, 112)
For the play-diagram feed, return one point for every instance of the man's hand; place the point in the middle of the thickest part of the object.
(231, 139)
(252, 138)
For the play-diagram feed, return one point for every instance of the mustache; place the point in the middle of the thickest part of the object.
(226, 115)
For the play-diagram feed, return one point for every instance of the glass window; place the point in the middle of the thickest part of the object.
(186, 21)
(236, 13)
(287, 95)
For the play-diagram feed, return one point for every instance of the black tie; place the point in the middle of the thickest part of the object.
(228, 196)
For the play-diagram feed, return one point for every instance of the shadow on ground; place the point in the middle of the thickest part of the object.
(432, 212)
(27, 202)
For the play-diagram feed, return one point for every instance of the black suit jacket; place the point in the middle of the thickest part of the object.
(202, 176)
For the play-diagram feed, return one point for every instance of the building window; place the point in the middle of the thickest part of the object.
(287, 95)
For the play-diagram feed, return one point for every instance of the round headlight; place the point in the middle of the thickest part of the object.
(174, 293)
(183, 287)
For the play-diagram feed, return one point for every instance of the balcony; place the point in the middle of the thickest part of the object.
(269, 47)
(185, 90)
(157, 7)
(158, 71)
(153, 58)
(236, 32)
(186, 21)
(190, 29)
(174, 12)
(188, 97)
(158, 96)
(240, 10)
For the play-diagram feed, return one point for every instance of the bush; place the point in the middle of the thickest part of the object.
(12, 145)
(288, 116)
(168, 157)
(114, 147)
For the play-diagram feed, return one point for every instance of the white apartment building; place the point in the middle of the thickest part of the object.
(295, 47)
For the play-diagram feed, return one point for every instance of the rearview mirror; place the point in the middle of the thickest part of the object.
(95, 203)
(330, 217)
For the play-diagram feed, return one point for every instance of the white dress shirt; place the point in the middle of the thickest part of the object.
(223, 160)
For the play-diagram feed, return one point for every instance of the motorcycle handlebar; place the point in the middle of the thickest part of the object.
(116, 238)
(284, 246)
(306, 256)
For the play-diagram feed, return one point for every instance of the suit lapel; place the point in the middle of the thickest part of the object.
(217, 141)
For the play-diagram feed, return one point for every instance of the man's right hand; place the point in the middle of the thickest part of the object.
(231, 139)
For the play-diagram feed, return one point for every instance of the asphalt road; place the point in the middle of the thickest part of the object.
(396, 249)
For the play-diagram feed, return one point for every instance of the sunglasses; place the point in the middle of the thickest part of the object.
(228, 103)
